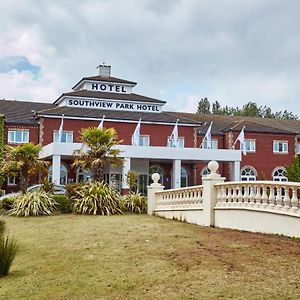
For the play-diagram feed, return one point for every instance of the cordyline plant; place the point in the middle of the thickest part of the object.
(100, 148)
(23, 161)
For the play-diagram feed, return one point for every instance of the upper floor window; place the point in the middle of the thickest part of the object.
(280, 147)
(144, 140)
(298, 149)
(18, 136)
(214, 144)
(67, 137)
(250, 145)
(171, 142)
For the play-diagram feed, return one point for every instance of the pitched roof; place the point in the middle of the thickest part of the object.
(235, 123)
(105, 79)
(21, 112)
(117, 96)
(163, 117)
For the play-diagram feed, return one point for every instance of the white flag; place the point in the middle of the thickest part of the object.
(61, 128)
(207, 137)
(100, 126)
(241, 138)
(174, 136)
(136, 134)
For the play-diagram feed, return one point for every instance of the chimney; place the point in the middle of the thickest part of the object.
(104, 70)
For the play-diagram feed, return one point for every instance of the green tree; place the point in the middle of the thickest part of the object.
(100, 148)
(132, 177)
(203, 106)
(293, 171)
(23, 161)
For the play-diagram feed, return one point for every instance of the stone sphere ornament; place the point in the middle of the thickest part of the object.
(213, 166)
(155, 177)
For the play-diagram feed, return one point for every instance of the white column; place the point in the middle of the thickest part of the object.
(125, 169)
(176, 175)
(56, 161)
(236, 171)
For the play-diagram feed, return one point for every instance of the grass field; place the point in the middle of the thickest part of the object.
(143, 257)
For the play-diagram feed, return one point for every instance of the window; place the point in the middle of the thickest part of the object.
(11, 180)
(63, 174)
(144, 140)
(184, 177)
(280, 147)
(205, 171)
(279, 174)
(67, 137)
(248, 174)
(171, 142)
(214, 144)
(82, 175)
(18, 136)
(250, 145)
(298, 149)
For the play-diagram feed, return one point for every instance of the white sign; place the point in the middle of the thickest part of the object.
(114, 105)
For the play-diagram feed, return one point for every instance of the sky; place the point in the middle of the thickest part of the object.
(180, 51)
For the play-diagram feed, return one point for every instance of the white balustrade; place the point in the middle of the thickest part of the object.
(260, 195)
(183, 198)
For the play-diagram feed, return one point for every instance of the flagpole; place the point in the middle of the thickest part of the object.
(237, 138)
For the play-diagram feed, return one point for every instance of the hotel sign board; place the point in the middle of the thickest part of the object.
(113, 105)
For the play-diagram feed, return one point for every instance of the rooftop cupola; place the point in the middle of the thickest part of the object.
(104, 70)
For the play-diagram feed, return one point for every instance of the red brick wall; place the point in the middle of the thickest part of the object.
(158, 133)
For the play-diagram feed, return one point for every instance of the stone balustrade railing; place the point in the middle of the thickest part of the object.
(280, 197)
(180, 199)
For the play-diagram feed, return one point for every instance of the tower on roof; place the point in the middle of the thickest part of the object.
(104, 70)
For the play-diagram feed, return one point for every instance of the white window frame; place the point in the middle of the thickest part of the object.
(144, 140)
(281, 174)
(250, 145)
(298, 149)
(180, 142)
(12, 136)
(214, 144)
(11, 180)
(284, 146)
(68, 134)
(248, 177)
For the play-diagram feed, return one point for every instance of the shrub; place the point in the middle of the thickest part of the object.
(7, 203)
(33, 204)
(8, 250)
(2, 228)
(64, 203)
(97, 198)
(135, 203)
(72, 188)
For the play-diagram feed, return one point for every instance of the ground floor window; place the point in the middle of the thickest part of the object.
(184, 177)
(63, 174)
(115, 181)
(142, 183)
(11, 180)
(248, 174)
(82, 175)
(279, 174)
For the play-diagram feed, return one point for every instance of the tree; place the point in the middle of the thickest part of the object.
(203, 106)
(250, 109)
(293, 171)
(100, 147)
(132, 178)
(22, 162)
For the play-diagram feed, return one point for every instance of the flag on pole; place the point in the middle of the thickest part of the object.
(100, 126)
(241, 139)
(61, 128)
(207, 137)
(136, 134)
(174, 136)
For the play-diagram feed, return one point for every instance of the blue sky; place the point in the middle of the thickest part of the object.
(177, 50)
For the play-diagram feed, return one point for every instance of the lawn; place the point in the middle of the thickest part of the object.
(143, 257)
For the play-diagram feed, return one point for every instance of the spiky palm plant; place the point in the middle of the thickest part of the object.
(135, 203)
(100, 147)
(97, 198)
(33, 204)
(23, 161)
